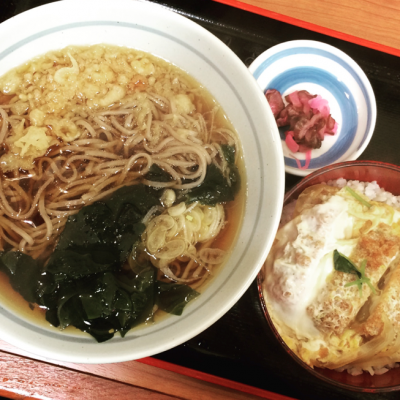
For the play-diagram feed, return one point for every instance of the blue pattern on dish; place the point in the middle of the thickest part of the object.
(342, 95)
(323, 53)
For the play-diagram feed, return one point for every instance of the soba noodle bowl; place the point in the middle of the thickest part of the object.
(79, 125)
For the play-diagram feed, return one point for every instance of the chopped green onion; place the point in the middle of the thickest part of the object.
(358, 197)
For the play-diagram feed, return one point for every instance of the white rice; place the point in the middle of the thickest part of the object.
(370, 189)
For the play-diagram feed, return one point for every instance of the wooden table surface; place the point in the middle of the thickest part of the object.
(27, 376)
(372, 23)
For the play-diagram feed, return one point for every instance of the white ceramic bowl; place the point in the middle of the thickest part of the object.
(322, 69)
(152, 28)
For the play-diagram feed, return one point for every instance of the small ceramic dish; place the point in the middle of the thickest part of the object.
(322, 70)
(388, 177)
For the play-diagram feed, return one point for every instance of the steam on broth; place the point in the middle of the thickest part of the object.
(119, 187)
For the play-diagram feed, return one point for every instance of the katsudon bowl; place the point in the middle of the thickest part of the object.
(387, 176)
(149, 28)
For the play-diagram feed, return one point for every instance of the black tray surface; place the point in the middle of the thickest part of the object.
(240, 346)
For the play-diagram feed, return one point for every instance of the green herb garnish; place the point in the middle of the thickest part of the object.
(344, 264)
(358, 197)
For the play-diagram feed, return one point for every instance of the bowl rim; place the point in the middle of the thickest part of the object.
(261, 58)
(312, 371)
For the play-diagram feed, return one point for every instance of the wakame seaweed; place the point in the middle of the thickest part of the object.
(229, 153)
(83, 283)
(157, 174)
(217, 187)
(23, 272)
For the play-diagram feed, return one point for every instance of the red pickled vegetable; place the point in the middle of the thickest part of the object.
(291, 144)
(318, 104)
(275, 101)
(308, 159)
(307, 116)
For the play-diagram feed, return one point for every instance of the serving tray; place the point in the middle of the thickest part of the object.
(239, 351)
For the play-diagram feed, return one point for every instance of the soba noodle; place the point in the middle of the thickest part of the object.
(78, 124)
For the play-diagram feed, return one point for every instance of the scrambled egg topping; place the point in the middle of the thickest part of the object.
(322, 315)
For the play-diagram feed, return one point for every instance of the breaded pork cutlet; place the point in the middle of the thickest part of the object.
(336, 306)
(385, 307)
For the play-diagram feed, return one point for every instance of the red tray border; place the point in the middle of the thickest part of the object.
(203, 376)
